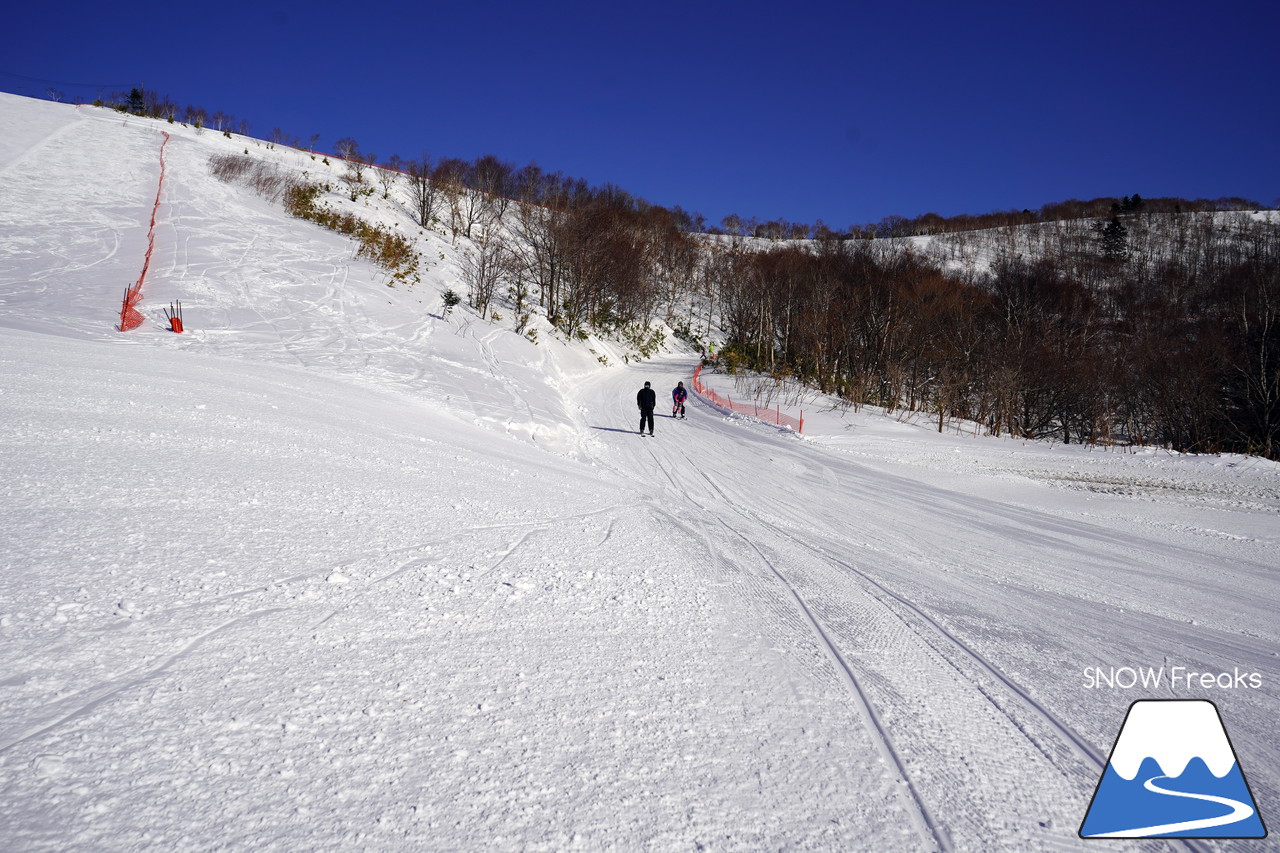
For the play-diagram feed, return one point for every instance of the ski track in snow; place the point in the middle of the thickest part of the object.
(105, 692)
(920, 814)
(331, 572)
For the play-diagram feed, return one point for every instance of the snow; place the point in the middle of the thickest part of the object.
(330, 571)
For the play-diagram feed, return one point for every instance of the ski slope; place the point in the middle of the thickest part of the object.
(331, 571)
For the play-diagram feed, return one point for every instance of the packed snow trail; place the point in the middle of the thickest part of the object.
(306, 630)
(331, 571)
(947, 607)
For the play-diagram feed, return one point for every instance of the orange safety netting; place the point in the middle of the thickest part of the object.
(773, 415)
(130, 316)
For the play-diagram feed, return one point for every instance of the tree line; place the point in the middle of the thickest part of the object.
(1152, 324)
(1156, 325)
(1179, 348)
(929, 224)
(1150, 321)
(150, 104)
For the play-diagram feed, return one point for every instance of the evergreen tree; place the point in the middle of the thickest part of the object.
(451, 300)
(135, 104)
(1113, 239)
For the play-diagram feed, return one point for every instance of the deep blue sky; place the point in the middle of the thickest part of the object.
(848, 112)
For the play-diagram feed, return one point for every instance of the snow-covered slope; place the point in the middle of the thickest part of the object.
(330, 572)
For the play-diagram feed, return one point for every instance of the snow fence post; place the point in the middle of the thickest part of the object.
(174, 313)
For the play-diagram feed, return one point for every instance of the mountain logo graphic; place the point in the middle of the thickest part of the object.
(1172, 774)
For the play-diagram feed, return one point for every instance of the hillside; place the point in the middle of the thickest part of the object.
(331, 570)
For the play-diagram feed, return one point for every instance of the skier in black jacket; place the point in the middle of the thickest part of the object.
(646, 399)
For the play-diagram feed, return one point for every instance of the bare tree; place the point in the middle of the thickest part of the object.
(450, 175)
(677, 261)
(422, 191)
(349, 150)
(496, 180)
(484, 267)
(388, 174)
(539, 222)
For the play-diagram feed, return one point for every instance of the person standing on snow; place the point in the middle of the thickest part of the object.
(678, 396)
(646, 399)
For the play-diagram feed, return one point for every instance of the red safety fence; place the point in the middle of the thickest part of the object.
(769, 415)
(130, 316)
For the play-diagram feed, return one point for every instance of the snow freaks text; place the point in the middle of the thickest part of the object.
(1175, 677)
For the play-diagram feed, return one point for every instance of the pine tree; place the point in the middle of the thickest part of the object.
(1113, 239)
(451, 300)
(136, 103)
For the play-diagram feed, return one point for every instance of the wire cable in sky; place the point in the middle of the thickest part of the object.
(61, 82)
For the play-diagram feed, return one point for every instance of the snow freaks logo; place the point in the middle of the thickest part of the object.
(1176, 677)
(1172, 773)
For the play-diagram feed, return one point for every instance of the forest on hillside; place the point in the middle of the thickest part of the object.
(1154, 326)
(1147, 327)
(1159, 329)
(1114, 320)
